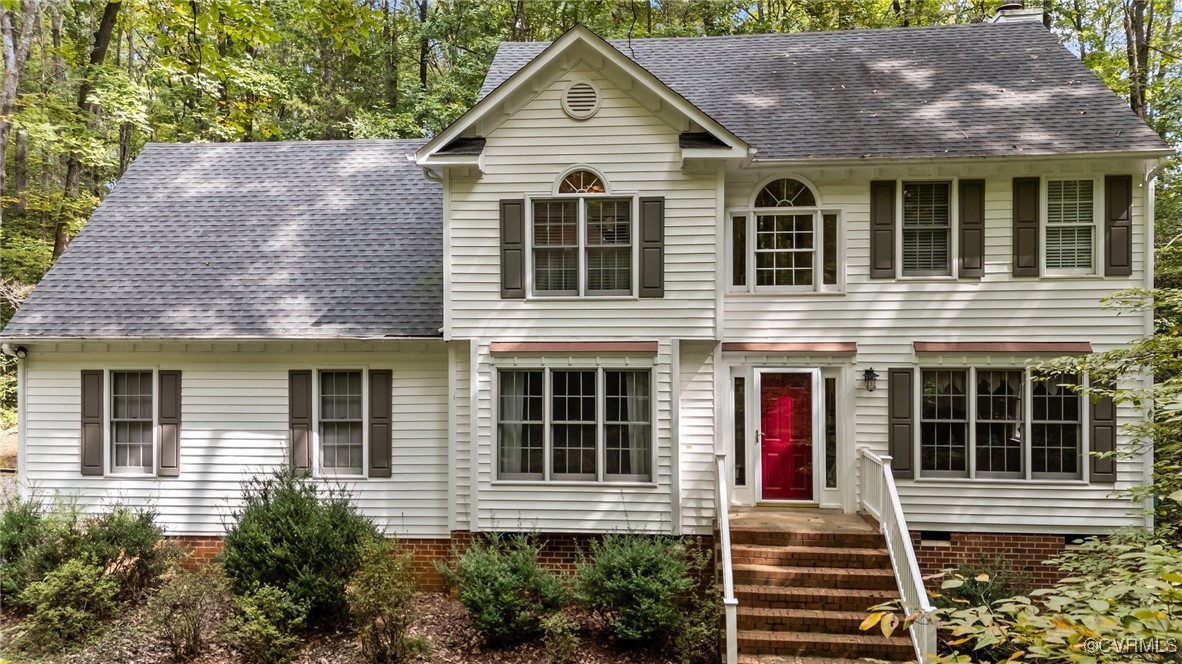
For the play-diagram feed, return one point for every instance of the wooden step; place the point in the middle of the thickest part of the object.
(796, 659)
(810, 556)
(814, 644)
(856, 540)
(802, 620)
(815, 577)
(824, 599)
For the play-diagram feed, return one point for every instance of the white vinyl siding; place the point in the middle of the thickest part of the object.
(234, 425)
(637, 152)
(886, 317)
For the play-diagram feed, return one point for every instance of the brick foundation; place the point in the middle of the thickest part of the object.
(560, 551)
(1026, 553)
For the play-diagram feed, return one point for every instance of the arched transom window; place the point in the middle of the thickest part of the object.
(582, 239)
(786, 241)
(785, 192)
(581, 182)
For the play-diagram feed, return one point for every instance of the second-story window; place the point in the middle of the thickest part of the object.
(1070, 228)
(786, 241)
(927, 228)
(582, 240)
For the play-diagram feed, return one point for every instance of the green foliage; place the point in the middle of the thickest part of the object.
(126, 543)
(648, 589)
(560, 638)
(188, 608)
(381, 603)
(636, 583)
(21, 528)
(504, 588)
(267, 625)
(1124, 594)
(294, 534)
(982, 583)
(67, 605)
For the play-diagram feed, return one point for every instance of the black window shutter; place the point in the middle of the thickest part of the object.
(652, 246)
(1118, 226)
(1104, 431)
(901, 421)
(92, 422)
(1026, 231)
(512, 249)
(169, 423)
(381, 385)
(882, 229)
(972, 228)
(299, 418)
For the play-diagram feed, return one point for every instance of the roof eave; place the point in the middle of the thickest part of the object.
(16, 339)
(849, 161)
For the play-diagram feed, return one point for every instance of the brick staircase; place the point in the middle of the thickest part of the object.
(803, 591)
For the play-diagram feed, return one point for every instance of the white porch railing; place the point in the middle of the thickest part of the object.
(880, 498)
(730, 605)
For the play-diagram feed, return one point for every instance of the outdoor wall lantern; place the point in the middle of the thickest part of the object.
(871, 378)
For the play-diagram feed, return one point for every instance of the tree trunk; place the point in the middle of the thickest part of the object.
(1137, 50)
(73, 179)
(424, 45)
(16, 52)
(20, 170)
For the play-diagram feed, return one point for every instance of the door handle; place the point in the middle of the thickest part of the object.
(758, 437)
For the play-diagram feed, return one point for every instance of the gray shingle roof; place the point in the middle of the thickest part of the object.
(308, 239)
(945, 91)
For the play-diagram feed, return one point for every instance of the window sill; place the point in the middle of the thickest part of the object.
(1071, 275)
(930, 278)
(582, 298)
(998, 481)
(131, 476)
(585, 484)
(783, 292)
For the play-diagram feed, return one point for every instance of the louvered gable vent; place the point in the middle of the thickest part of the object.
(581, 101)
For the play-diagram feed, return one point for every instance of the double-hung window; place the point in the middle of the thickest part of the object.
(341, 423)
(785, 242)
(1003, 423)
(574, 424)
(132, 422)
(582, 240)
(927, 229)
(1071, 227)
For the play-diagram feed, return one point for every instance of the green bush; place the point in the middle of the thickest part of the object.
(267, 625)
(300, 537)
(125, 542)
(560, 638)
(982, 582)
(22, 527)
(187, 609)
(130, 544)
(381, 603)
(504, 589)
(637, 583)
(67, 605)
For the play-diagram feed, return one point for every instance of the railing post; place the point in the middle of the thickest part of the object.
(730, 604)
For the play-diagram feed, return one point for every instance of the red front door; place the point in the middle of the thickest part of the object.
(786, 435)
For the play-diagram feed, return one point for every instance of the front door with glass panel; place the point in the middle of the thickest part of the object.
(787, 434)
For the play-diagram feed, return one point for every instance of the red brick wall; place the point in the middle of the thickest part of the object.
(201, 549)
(560, 551)
(1025, 552)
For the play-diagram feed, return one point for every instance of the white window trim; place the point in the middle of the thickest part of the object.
(953, 229)
(581, 253)
(818, 287)
(332, 473)
(108, 419)
(971, 475)
(1044, 192)
(599, 365)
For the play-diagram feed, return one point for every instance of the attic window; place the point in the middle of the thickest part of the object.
(581, 100)
(581, 182)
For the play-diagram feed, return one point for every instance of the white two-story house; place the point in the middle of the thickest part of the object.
(625, 262)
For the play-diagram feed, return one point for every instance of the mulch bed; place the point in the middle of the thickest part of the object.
(445, 624)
